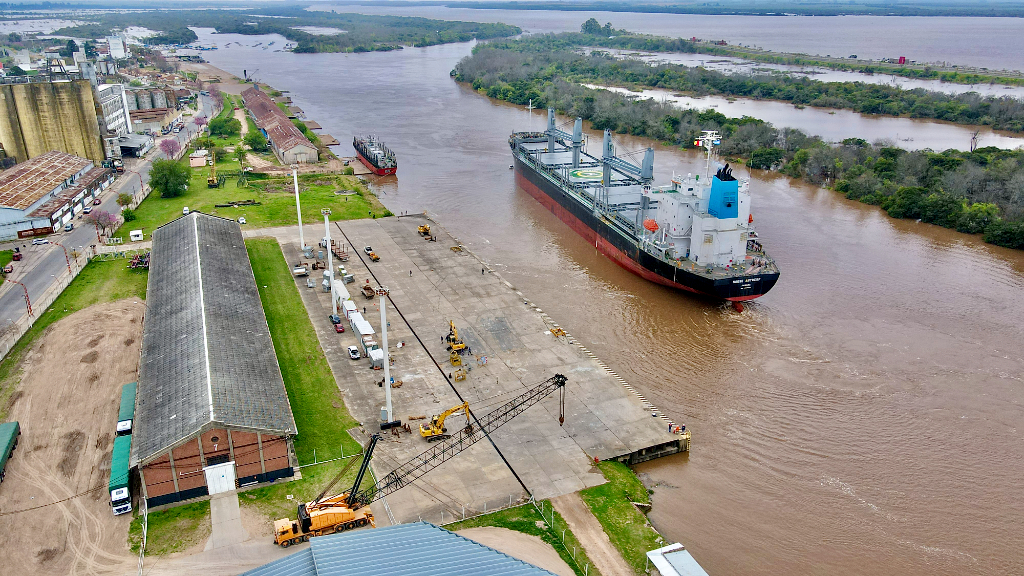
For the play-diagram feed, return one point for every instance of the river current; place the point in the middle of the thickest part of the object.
(864, 417)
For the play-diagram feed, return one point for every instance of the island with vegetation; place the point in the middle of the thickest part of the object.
(341, 32)
(979, 191)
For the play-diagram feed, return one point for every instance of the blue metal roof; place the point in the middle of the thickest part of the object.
(402, 550)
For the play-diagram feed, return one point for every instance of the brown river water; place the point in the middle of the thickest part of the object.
(865, 417)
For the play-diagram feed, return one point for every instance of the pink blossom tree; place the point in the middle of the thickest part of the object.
(103, 220)
(201, 122)
(170, 147)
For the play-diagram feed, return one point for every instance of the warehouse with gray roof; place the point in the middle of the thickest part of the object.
(212, 411)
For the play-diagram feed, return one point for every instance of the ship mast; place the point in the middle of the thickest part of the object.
(708, 139)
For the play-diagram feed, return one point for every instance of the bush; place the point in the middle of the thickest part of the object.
(128, 214)
(766, 158)
(905, 203)
(169, 178)
(254, 140)
(349, 171)
(1004, 233)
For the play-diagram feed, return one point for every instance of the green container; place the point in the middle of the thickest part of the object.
(126, 414)
(9, 432)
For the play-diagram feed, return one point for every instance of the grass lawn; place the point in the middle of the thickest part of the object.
(273, 503)
(317, 404)
(276, 196)
(97, 283)
(627, 527)
(5, 257)
(172, 530)
(527, 519)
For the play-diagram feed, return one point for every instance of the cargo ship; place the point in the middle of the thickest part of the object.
(695, 234)
(375, 155)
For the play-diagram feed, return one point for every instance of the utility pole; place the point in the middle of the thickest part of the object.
(330, 259)
(387, 356)
(298, 207)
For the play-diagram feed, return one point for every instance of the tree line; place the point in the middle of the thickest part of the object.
(361, 33)
(975, 192)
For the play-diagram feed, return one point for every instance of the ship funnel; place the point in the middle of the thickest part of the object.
(647, 168)
(607, 148)
(577, 142)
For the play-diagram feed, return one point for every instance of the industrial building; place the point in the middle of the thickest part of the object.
(40, 195)
(212, 412)
(39, 116)
(401, 550)
(114, 105)
(289, 144)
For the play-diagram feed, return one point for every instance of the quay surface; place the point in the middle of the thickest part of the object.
(513, 349)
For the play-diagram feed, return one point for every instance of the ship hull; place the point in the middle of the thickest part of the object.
(627, 253)
(373, 168)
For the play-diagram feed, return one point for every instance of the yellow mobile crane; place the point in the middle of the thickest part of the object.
(212, 181)
(435, 430)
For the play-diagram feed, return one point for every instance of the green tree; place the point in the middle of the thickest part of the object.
(225, 127)
(90, 49)
(766, 158)
(591, 26)
(124, 199)
(254, 140)
(69, 49)
(169, 178)
(128, 214)
(14, 37)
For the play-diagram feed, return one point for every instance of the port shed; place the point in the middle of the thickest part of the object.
(403, 550)
(210, 389)
(675, 560)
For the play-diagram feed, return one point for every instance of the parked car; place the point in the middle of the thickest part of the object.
(39, 241)
(353, 353)
(87, 210)
(185, 210)
(339, 328)
(367, 249)
(69, 226)
(241, 219)
(97, 202)
(334, 318)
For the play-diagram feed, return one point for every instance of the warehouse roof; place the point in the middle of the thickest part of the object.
(23, 184)
(87, 181)
(274, 121)
(207, 357)
(402, 550)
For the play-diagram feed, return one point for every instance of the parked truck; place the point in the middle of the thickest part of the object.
(126, 414)
(120, 496)
(9, 433)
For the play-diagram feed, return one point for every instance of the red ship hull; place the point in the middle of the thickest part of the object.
(374, 169)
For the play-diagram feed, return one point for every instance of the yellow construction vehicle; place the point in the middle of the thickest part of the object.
(329, 514)
(435, 430)
(212, 181)
(455, 344)
(455, 359)
(424, 230)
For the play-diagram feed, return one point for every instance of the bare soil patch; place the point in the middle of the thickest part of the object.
(67, 416)
(525, 547)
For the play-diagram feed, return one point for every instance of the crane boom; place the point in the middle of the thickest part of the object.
(463, 439)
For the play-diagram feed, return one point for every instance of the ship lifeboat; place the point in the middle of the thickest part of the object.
(651, 225)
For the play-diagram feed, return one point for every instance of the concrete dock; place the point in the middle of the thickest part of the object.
(513, 349)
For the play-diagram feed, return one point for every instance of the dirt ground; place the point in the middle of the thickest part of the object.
(590, 534)
(522, 546)
(67, 406)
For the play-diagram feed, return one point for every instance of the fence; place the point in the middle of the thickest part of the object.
(15, 330)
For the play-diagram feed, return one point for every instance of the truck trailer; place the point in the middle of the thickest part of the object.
(120, 496)
(126, 414)
(9, 433)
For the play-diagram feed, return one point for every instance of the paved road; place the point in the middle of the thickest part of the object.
(43, 264)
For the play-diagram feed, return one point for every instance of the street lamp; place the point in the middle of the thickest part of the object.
(28, 303)
(298, 207)
(330, 258)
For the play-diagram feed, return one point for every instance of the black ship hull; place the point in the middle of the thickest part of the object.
(625, 251)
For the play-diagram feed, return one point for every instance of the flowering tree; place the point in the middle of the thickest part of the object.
(170, 147)
(201, 121)
(103, 220)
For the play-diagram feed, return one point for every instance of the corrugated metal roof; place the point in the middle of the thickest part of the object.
(403, 550)
(207, 356)
(274, 121)
(23, 184)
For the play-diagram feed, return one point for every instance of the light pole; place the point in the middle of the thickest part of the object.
(298, 207)
(66, 258)
(330, 258)
(28, 303)
(383, 294)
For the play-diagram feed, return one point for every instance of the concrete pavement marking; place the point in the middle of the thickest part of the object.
(227, 521)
